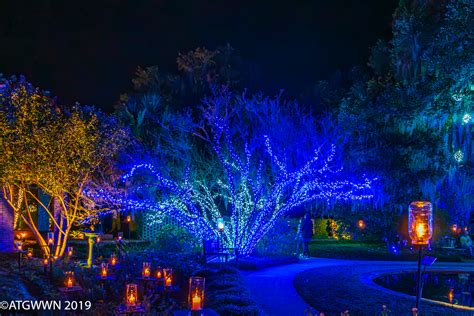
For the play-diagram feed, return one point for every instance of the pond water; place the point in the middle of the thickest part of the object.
(451, 287)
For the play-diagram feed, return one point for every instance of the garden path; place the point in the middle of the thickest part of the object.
(273, 289)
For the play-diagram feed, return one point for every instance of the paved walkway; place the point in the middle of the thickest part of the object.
(273, 289)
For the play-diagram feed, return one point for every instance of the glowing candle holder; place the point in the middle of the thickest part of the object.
(455, 228)
(70, 251)
(113, 260)
(129, 218)
(420, 222)
(220, 224)
(361, 224)
(159, 273)
(196, 293)
(131, 295)
(50, 239)
(69, 279)
(146, 270)
(104, 269)
(168, 276)
(29, 253)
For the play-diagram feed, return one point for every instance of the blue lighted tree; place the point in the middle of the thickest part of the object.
(243, 177)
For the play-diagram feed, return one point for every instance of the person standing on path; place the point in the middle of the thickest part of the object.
(306, 229)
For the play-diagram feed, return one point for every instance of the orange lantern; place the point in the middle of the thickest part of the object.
(29, 254)
(146, 270)
(451, 295)
(420, 222)
(103, 270)
(196, 293)
(113, 259)
(168, 275)
(69, 251)
(159, 273)
(45, 261)
(69, 279)
(19, 246)
(50, 238)
(361, 224)
(131, 295)
(129, 218)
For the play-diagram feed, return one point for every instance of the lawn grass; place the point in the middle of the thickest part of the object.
(353, 250)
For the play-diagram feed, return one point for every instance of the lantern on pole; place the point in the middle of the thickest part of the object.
(196, 293)
(420, 222)
(420, 230)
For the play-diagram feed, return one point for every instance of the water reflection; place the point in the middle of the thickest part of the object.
(453, 288)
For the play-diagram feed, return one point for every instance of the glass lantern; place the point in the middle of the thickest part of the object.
(196, 293)
(69, 279)
(104, 267)
(70, 251)
(19, 246)
(146, 270)
(113, 260)
(29, 253)
(420, 222)
(168, 276)
(131, 295)
(50, 238)
(159, 273)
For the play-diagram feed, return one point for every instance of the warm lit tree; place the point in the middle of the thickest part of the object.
(54, 149)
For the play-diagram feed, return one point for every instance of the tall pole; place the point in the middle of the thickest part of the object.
(418, 279)
(51, 261)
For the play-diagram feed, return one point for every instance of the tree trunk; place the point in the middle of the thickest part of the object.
(6, 226)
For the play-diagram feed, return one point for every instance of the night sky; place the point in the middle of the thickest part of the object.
(88, 51)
